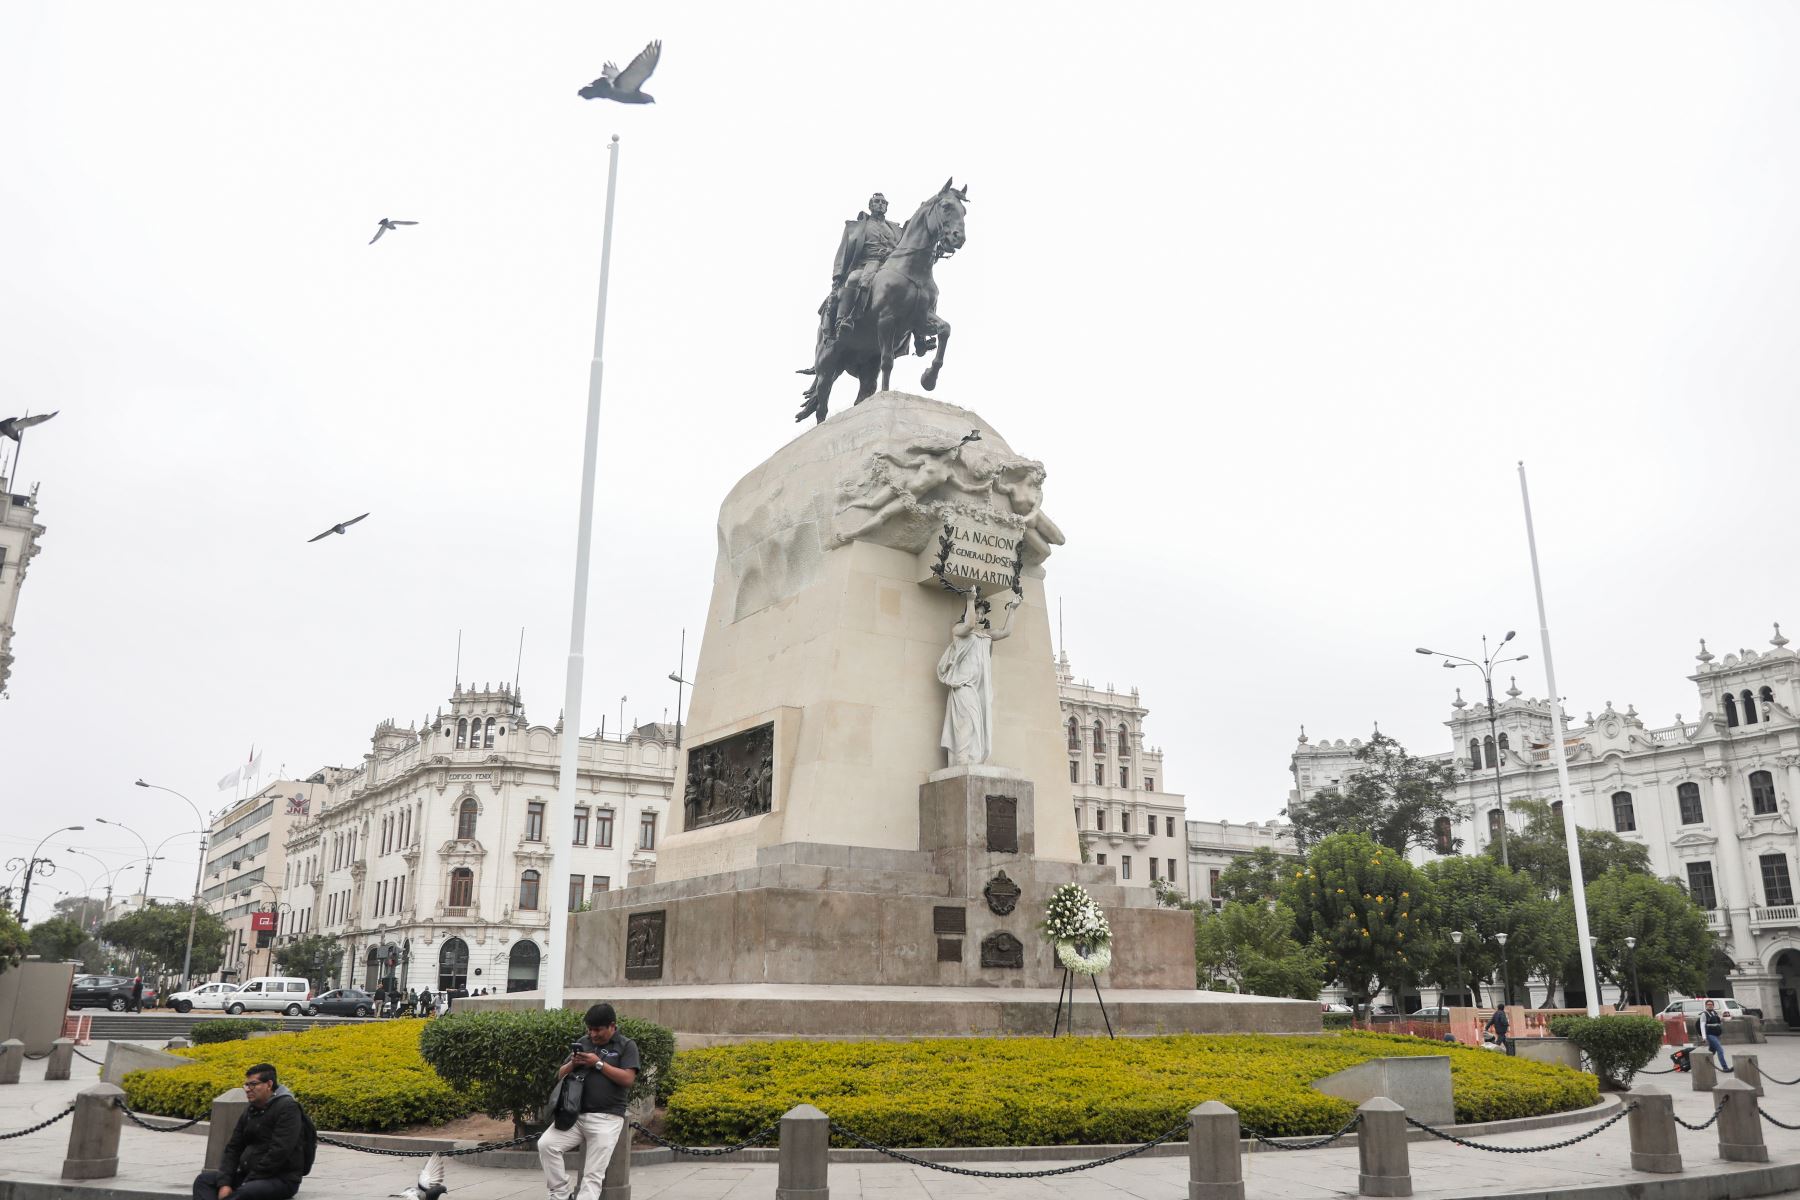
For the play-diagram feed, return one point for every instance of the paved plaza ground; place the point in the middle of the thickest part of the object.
(153, 1164)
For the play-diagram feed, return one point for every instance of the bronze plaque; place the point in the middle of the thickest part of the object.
(1002, 894)
(1002, 825)
(949, 949)
(644, 945)
(731, 778)
(945, 920)
(1002, 949)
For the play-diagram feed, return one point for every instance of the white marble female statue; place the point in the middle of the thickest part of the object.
(967, 668)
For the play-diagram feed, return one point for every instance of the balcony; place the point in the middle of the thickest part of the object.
(1715, 918)
(1779, 914)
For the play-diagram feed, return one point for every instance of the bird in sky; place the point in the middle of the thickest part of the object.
(625, 86)
(431, 1181)
(338, 528)
(12, 427)
(386, 224)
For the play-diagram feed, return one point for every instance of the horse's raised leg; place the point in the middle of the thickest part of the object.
(940, 328)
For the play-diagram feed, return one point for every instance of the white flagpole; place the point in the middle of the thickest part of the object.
(1578, 889)
(557, 818)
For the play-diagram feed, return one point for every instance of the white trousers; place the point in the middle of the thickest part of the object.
(596, 1134)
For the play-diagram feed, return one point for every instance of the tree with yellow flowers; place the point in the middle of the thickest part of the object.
(1365, 907)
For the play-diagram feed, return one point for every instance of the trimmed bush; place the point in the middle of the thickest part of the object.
(228, 1029)
(1332, 1021)
(1043, 1091)
(507, 1061)
(1618, 1045)
(364, 1077)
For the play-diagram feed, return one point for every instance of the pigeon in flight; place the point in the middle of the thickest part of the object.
(385, 225)
(431, 1181)
(625, 86)
(338, 528)
(12, 427)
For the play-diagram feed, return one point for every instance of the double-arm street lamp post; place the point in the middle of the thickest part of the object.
(1456, 936)
(187, 956)
(1486, 666)
(1631, 955)
(1505, 976)
(36, 861)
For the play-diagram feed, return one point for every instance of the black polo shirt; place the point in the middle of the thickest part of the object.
(598, 1093)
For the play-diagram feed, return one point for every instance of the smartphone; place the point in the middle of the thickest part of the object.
(575, 1048)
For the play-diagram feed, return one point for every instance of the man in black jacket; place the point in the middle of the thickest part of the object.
(264, 1159)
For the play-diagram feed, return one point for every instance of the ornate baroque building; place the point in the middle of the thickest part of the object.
(431, 862)
(1711, 798)
(19, 534)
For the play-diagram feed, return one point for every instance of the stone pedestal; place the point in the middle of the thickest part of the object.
(94, 1136)
(1215, 1170)
(1385, 1167)
(1654, 1146)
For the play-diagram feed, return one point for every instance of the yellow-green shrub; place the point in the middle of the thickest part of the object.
(367, 1077)
(1042, 1091)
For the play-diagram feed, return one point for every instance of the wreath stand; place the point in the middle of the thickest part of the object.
(1068, 986)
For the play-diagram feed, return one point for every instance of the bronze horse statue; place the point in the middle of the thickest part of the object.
(902, 307)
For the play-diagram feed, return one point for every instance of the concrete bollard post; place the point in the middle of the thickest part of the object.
(1652, 1123)
(62, 1059)
(227, 1107)
(12, 1058)
(1214, 1170)
(1381, 1149)
(805, 1140)
(1740, 1125)
(94, 1136)
(616, 1183)
(177, 1043)
(1746, 1068)
(1706, 1075)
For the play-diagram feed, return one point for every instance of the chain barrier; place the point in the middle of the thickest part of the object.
(143, 1124)
(1310, 1144)
(1648, 1071)
(40, 1057)
(1704, 1124)
(481, 1149)
(1782, 1082)
(97, 1062)
(754, 1139)
(1778, 1123)
(40, 1125)
(1472, 1145)
(900, 1156)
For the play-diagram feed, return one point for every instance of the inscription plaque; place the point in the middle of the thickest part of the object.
(949, 949)
(946, 920)
(644, 945)
(1002, 825)
(1002, 894)
(1002, 949)
(731, 778)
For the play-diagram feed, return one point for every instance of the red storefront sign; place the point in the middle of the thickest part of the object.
(262, 922)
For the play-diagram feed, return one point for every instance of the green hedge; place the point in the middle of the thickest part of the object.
(229, 1029)
(1618, 1045)
(1042, 1091)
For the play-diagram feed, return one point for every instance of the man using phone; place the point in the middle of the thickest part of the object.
(605, 1065)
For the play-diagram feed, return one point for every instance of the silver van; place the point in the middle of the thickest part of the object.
(271, 993)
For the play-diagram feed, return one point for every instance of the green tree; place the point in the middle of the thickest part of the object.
(15, 943)
(1669, 927)
(1480, 898)
(57, 938)
(1255, 876)
(156, 936)
(313, 956)
(1539, 851)
(85, 911)
(1391, 796)
(1367, 908)
(1249, 946)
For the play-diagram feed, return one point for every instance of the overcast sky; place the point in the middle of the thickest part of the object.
(1278, 293)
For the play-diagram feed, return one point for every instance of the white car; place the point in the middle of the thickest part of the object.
(1728, 1008)
(207, 995)
(271, 993)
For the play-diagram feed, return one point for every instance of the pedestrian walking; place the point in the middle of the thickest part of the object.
(381, 1001)
(425, 1001)
(1712, 1028)
(1500, 1023)
(137, 994)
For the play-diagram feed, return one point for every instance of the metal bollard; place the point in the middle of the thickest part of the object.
(94, 1136)
(62, 1058)
(1381, 1149)
(12, 1057)
(1706, 1075)
(616, 1183)
(1740, 1125)
(1745, 1067)
(805, 1139)
(1215, 1172)
(1652, 1123)
(227, 1107)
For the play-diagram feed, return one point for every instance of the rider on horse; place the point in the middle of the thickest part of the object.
(866, 243)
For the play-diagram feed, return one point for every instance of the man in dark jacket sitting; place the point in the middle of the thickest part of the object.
(264, 1159)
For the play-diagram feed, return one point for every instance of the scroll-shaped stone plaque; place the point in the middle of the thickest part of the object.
(1002, 949)
(644, 945)
(1002, 825)
(949, 920)
(730, 778)
(1002, 894)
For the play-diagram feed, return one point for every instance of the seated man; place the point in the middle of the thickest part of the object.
(264, 1159)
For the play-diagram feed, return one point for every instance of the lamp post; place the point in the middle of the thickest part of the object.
(187, 955)
(269, 966)
(146, 845)
(36, 863)
(1456, 936)
(1486, 666)
(1505, 978)
(1631, 958)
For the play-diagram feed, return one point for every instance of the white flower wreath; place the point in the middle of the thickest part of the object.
(1072, 920)
(1096, 960)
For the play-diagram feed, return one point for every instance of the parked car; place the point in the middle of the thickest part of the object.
(344, 1002)
(271, 993)
(1430, 1014)
(1728, 1007)
(1334, 1008)
(104, 991)
(207, 995)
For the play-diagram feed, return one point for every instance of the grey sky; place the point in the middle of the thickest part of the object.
(1278, 293)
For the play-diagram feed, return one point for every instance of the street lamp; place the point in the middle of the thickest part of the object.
(1456, 936)
(37, 863)
(187, 956)
(1505, 979)
(1486, 666)
(1631, 957)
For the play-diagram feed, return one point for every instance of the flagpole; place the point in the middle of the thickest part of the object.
(1577, 887)
(557, 819)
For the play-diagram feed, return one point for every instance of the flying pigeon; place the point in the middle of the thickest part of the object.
(624, 86)
(431, 1181)
(338, 528)
(12, 427)
(386, 224)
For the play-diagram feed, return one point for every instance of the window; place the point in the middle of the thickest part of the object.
(1212, 882)
(1762, 793)
(1556, 807)
(1767, 695)
(465, 820)
(401, 902)
(1475, 753)
(1687, 796)
(1124, 742)
(488, 739)
(462, 733)
(1074, 734)
(1100, 774)
(1624, 819)
(1777, 889)
(1494, 820)
(581, 816)
(1099, 738)
(647, 832)
(1440, 830)
(602, 883)
(1100, 860)
(1487, 749)
(534, 821)
(380, 892)
(1149, 783)
(1153, 870)
(1099, 818)
(1504, 747)
(603, 828)
(1731, 717)
(528, 891)
(1749, 707)
(1074, 770)
(1700, 885)
(1171, 870)
(453, 965)
(1124, 866)
(1124, 777)
(462, 887)
(1169, 823)
(576, 883)
(1124, 822)
(522, 967)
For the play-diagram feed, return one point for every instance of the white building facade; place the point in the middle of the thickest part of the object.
(1711, 798)
(19, 534)
(246, 861)
(430, 864)
(1212, 846)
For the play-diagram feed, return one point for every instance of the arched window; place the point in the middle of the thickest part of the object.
(1487, 749)
(465, 819)
(374, 977)
(1762, 793)
(488, 740)
(1687, 798)
(1624, 818)
(462, 733)
(1124, 742)
(1475, 753)
(1731, 716)
(1749, 707)
(1767, 696)
(1556, 807)
(1099, 738)
(1504, 747)
(1074, 734)
(1494, 819)
(453, 965)
(528, 891)
(462, 887)
(522, 967)
(1441, 829)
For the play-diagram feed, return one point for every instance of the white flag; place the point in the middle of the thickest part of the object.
(254, 768)
(230, 779)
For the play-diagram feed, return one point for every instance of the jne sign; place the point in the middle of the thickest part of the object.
(971, 552)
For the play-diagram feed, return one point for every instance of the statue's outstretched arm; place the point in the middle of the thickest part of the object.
(1005, 630)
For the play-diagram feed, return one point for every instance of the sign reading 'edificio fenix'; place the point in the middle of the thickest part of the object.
(972, 552)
